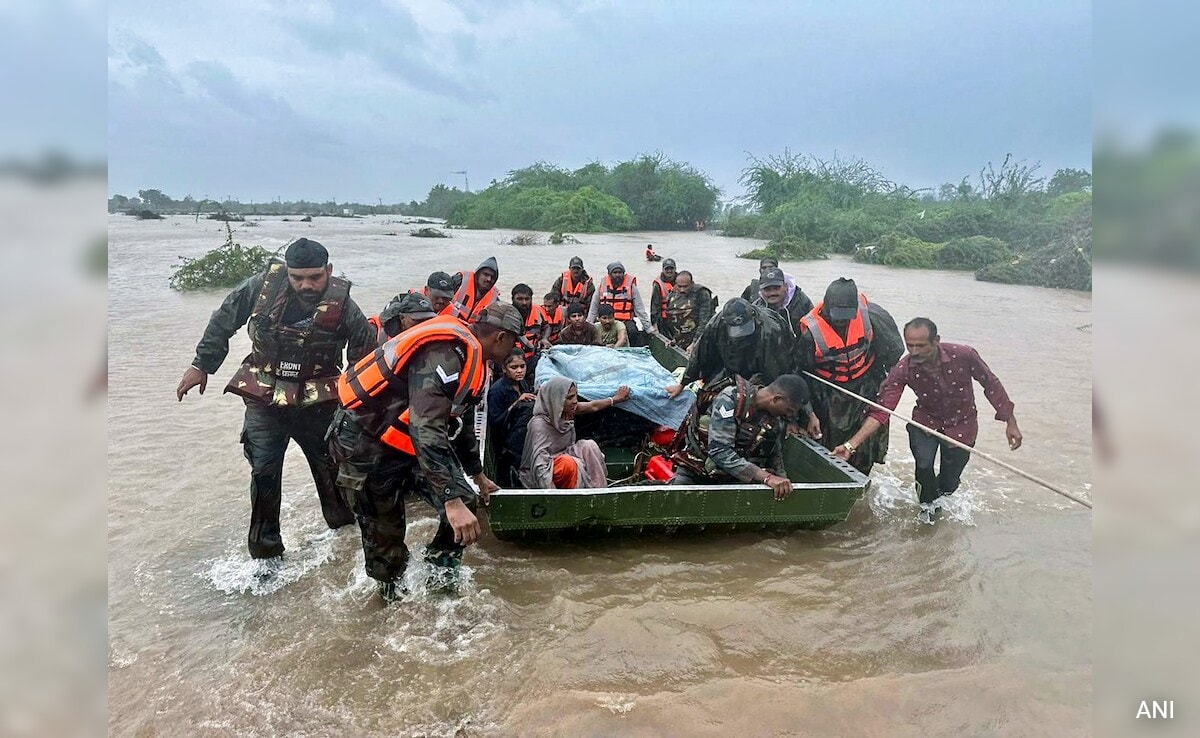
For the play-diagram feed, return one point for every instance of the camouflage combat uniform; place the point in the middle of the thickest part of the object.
(375, 477)
(687, 314)
(727, 440)
(767, 354)
(277, 409)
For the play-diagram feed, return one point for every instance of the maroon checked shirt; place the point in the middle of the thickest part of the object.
(945, 397)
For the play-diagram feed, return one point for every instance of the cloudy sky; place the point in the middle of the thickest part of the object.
(365, 100)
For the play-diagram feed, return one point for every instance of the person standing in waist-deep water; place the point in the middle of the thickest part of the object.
(577, 331)
(660, 290)
(474, 291)
(301, 322)
(406, 425)
(852, 342)
(940, 374)
(689, 308)
(620, 290)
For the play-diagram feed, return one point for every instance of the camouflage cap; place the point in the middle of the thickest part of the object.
(412, 304)
(503, 316)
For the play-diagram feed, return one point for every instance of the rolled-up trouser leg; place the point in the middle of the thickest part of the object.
(264, 441)
(924, 449)
(954, 460)
(308, 427)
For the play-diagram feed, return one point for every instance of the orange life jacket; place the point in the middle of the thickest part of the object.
(463, 305)
(555, 321)
(533, 328)
(572, 290)
(664, 289)
(620, 297)
(376, 388)
(841, 360)
(381, 336)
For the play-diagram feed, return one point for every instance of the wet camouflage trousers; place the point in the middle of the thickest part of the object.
(265, 435)
(374, 480)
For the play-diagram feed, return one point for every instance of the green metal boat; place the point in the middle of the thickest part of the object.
(824, 489)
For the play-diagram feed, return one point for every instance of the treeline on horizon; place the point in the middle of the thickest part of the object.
(1007, 224)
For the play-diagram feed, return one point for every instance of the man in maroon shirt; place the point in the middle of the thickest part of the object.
(940, 374)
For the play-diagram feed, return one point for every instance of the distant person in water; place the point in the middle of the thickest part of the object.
(940, 374)
(650, 255)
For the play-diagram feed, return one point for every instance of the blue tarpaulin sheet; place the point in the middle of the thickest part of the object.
(598, 371)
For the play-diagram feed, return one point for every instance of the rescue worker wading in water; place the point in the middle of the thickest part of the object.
(406, 424)
(300, 320)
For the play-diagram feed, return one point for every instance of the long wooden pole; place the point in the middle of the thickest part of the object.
(1038, 480)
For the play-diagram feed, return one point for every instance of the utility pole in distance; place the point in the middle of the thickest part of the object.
(466, 182)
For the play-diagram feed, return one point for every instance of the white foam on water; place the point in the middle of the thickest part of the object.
(238, 574)
(618, 704)
(893, 498)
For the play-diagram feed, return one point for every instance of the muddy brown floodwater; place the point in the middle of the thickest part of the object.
(878, 626)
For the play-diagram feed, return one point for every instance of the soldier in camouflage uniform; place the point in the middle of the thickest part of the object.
(689, 308)
(301, 320)
(742, 340)
(406, 425)
(735, 433)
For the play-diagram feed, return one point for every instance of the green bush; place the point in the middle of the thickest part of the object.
(973, 252)
(791, 249)
(222, 267)
(900, 250)
(743, 225)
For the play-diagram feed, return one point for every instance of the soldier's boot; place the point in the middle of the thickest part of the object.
(391, 592)
(444, 570)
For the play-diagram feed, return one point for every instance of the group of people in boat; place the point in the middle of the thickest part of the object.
(397, 417)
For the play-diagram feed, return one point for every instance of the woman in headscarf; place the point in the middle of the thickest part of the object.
(553, 458)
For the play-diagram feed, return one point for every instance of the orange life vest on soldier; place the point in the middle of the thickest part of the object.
(380, 380)
(838, 359)
(572, 289)
(463, 305)
(555, 321)
(533, 328)
(381, 336)
(664, 290)
(620, 297)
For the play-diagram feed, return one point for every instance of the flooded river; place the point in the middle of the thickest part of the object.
(879, 626)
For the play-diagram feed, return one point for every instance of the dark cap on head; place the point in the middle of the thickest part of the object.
(767, 261)
(738, 318)
(412, 304)
(668, 263)
(841, 299)
(440, 285)
(503, 316)
(576, 262)
(304, 253)
(772, 278)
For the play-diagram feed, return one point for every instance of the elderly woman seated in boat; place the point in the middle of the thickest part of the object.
(553, 457)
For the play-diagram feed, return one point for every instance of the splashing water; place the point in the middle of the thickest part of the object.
(236, 574)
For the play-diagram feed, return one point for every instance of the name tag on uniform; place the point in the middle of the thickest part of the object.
(289, 369)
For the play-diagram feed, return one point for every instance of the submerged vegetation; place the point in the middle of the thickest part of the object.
(223, 267)
(1011, 225)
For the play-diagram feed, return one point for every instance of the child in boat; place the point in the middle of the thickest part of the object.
(509, 408)
(577, 331)
(554, 458)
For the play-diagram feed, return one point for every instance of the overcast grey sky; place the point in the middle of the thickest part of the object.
(366, 100)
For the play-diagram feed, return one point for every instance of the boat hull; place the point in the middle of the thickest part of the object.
(823, 493)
